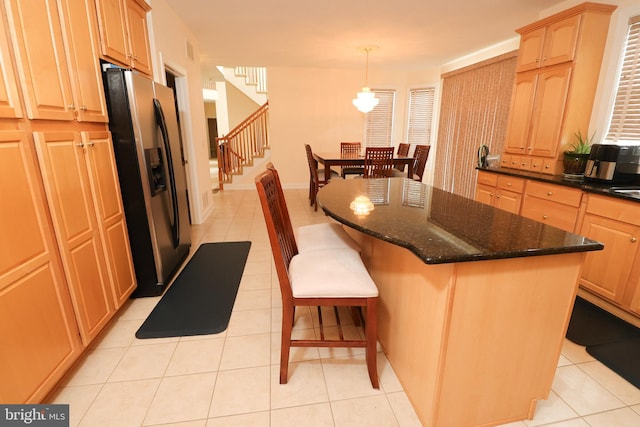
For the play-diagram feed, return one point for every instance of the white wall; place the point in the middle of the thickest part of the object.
(169, 49)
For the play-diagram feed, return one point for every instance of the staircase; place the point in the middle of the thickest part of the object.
(244, 143)
(252, 81)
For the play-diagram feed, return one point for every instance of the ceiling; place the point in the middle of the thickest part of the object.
(410, 34)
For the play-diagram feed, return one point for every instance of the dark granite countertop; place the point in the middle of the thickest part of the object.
(441, 227)
(587, 186)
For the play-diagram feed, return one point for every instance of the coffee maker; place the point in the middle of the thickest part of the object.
(613, 164)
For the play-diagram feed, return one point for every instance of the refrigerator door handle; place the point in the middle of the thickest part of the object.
(161, 122)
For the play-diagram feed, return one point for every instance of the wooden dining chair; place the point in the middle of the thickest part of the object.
(403, 151)
(325, 235)
(378, 162)
(350, 149)
(420, 161)
(316, 177)
(329, 277)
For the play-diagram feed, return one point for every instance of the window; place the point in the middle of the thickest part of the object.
(420, 115)
(625, 119)
(379, 125)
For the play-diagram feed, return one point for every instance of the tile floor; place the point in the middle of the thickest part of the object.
(231, 379)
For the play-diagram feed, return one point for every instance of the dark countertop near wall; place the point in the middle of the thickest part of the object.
(441, 227)
(605, 189)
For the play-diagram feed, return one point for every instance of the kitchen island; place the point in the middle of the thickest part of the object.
(474, 301)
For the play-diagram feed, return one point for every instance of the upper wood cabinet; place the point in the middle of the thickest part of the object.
(558, 68)
(549, 45)
(57, 60)
(38, 330)
(9, 100)
(124, 34)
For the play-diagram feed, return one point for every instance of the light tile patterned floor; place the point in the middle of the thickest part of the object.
(231, 379)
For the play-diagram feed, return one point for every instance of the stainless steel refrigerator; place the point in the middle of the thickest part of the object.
(144, 129)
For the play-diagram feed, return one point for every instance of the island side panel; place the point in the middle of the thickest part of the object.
(508, 322)
(474, 343)
(414, 303)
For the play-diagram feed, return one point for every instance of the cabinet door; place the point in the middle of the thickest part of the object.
(484, 194)
(548, 111)
(38, 332)
(560, 41)
(113, 30)
(508, 200)
(521, 109)
(138, 36)
(108, 205)
(82, 50)
(9, 101)
(606, 272)
(530, 51)
(37, 40)
(63, 164)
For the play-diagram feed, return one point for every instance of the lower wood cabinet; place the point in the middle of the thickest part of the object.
(500, 191)
(552, 204)
(83, 193)
(613, 273)
(38, 330)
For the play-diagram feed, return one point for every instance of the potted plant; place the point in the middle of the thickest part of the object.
(575, 160)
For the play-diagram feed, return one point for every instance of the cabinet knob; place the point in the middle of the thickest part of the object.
(549, 193)
(80, 144)
(90, 144)
(545, 217)
(84, 108)
(633, 240)
(71, 107)
(508, 184)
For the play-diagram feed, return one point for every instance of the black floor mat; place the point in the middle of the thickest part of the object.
(622, 357)
(201, 298)
(591, 325)
(611, 340)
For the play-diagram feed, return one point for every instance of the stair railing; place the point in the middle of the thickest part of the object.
(242, 144)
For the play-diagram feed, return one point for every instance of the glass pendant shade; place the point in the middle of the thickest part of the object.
(366, 100)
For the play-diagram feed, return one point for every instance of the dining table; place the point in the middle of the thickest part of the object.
(335, 158)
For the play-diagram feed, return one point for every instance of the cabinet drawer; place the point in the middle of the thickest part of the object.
(555, 193)
(505, 161)
(515, 162)
(550, 213)
(510, 183)
(615, 209)
(487, 178)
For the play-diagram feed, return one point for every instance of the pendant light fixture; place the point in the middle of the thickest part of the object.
(366, 100)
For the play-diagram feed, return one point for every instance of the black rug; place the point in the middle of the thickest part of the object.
(591, 325)
(609, 339)
(201, 298)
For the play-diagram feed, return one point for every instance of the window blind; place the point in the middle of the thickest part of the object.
(379, 124)
(625, 119)
(420, 115)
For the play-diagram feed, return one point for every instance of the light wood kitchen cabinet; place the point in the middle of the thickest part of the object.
(38, 331)
(552, 204)
(62, 157)
(613, 272)
(108, 205)
(9, 100)
(124, 33)
(500, 191)
(549, 45)
(558, 68)
(58, 37)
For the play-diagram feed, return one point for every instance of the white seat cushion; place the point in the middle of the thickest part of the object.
(324, 236)
(332, 273)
